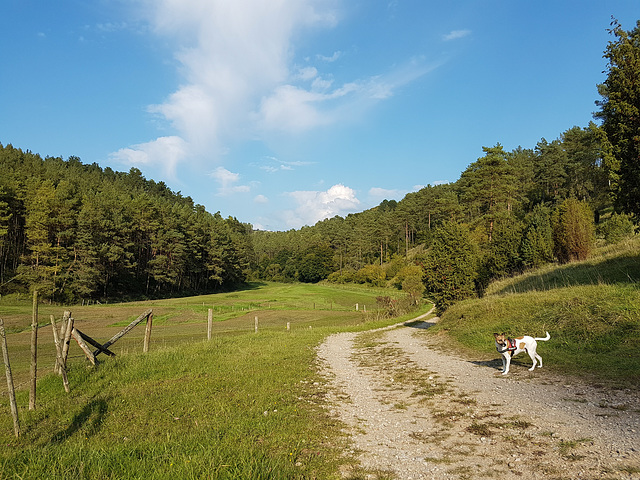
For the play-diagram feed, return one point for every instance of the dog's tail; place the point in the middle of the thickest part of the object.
(544, 339)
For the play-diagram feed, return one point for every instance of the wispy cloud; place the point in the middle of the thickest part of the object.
(227, 182)
(456, 34)
(241, 78)
(330, 59)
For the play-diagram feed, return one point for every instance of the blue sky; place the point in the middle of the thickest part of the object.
(284, 112)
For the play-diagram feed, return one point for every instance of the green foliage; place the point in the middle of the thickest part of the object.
(537, 241)
(620, 110)
(488, 188)
(503, 252)
(573, 231)
(413, 286)
(451, 266)
(616, 228)
(316, 263)
(372, 275)
(75, 232)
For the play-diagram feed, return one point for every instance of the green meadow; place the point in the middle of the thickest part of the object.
(241, 405)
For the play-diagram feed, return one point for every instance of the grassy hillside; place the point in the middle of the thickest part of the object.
(591, 309)
(243, 405)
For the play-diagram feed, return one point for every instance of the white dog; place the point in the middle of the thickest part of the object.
(509, 347)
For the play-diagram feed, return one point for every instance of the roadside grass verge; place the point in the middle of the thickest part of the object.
(243, 405)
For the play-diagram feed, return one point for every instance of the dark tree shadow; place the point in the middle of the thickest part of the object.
(89, 419)
(421, 324)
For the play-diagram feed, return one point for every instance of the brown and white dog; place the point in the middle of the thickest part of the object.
(509, 347)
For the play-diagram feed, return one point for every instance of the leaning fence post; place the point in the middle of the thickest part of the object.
(85, 348)
(56, 340)
(209, 323)
(34, 352)
(147, 333)
(12, 392)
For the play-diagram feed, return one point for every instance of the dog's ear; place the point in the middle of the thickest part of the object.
(495, 335)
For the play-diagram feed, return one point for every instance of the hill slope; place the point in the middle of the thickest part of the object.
(590, 308)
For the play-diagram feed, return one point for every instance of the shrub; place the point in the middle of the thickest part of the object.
(616, 228)
(371, 274)
(573, 231)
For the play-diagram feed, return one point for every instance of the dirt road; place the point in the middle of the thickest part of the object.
(414, 411)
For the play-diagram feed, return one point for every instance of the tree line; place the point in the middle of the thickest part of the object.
(74, 231)
(77, 231)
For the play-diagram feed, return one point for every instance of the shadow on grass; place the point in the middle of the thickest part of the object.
(622, 270)
(89, 420)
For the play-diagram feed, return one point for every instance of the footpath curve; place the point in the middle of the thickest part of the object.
(414, 411)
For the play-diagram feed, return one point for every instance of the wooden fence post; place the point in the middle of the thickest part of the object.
(147, 333)
(67, 340)
(34, 352)
(288, 326)
(12, 392)
(59, 365)
(209, 323)
(61, 337)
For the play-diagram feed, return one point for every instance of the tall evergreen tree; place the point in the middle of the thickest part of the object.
(620, 112)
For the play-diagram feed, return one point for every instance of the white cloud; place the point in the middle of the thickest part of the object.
(261, 199)
(166, 151)
(307, 73)
(314, 206)
(377, 194)
(336, 55)
(456, 34)
(240, 78)
(227, 182)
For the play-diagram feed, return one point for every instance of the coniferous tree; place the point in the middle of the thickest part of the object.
(620, 112)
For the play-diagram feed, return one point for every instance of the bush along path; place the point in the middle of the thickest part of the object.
(414, 411)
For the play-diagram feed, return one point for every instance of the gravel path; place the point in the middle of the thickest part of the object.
(414, 411)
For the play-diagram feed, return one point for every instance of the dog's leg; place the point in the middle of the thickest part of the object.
(539, 360)
(533, 356)
(507, 360)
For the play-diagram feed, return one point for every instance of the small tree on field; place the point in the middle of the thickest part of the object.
(414, 288)
(573, 231)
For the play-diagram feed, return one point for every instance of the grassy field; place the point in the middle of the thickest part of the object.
(590, 308)
(243, 405)
(247, 405)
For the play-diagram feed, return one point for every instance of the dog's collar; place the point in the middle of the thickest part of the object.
(508, 346)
